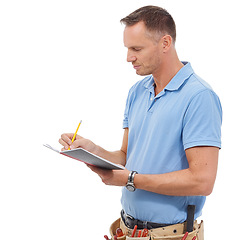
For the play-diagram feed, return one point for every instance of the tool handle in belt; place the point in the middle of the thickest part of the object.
(190, 217)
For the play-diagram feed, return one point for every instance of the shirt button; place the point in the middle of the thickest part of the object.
(151, 99)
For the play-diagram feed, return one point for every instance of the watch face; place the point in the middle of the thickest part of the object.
(130, 188)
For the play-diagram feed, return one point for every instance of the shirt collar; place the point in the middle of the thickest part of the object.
(177, 81)
(150, 83)
(183, 74)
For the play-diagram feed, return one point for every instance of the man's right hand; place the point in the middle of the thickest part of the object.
(118, 157)
(79, 142)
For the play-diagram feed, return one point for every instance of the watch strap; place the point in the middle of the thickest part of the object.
(131, 177)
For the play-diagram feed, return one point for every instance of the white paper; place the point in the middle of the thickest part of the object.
(83, 155)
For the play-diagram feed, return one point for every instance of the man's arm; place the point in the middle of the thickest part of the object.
(198, 179)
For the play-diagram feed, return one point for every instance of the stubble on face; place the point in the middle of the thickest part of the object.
(148, 66)
(147, 59)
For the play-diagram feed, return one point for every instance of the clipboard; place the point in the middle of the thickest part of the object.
(87, 157)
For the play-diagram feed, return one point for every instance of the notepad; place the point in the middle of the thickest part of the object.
(83, 155)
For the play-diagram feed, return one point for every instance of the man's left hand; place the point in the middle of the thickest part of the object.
(112, 177)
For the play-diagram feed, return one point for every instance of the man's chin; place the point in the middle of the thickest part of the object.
(142, 73)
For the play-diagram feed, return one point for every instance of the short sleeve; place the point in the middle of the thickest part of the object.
(125, 119)
(127, 109)
(202, 121)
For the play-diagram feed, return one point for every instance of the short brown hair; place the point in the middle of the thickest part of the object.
(156, 19)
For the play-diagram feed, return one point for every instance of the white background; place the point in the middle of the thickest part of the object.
(63, 61)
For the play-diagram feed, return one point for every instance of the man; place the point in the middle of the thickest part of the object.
(172, 128)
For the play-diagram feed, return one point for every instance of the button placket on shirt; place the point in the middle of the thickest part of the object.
(153, 99)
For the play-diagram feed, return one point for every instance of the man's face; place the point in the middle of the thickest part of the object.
(143, 51)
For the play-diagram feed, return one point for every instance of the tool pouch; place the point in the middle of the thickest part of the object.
(162, 234)
(166, 233)
(175, 237)
(112, 230)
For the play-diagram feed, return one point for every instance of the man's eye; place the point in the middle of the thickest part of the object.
(137, 49)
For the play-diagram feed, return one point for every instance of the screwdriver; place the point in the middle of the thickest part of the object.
(134, 231)
(145, 232)
(185, 236)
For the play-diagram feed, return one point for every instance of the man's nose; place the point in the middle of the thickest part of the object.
(130, 57)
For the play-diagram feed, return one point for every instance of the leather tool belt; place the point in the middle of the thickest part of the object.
(167, 232)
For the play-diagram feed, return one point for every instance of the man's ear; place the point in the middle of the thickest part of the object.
(166, 43)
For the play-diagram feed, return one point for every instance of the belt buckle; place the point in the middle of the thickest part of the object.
(130, 217)
(129, 220)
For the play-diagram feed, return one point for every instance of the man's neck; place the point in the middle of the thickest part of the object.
(165, 74)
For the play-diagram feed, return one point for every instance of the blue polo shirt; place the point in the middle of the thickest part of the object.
(187, 113)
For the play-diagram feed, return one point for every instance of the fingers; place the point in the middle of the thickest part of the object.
(96, 169)
(79, 142)
(66, 140)
(111, 177)
(104, 174)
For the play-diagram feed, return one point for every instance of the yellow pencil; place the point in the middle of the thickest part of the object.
(75, 133)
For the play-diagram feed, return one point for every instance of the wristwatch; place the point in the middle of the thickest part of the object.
(130, 184)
